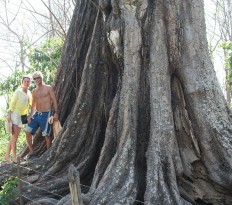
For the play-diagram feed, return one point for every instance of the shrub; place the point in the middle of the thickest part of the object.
(8, 191)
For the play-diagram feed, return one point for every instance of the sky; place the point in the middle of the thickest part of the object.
(25, 20)
(218, 55)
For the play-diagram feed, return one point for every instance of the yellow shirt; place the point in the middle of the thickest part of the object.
(21, 101)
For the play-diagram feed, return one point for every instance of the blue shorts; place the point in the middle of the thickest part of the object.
(40, 119)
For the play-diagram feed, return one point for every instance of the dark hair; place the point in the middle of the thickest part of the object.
(26, 76)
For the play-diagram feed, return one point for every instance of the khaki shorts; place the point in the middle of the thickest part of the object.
(16, 119)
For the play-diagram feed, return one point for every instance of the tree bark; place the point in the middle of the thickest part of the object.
(143, 116)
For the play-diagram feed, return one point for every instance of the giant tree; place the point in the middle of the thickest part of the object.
(143, 116)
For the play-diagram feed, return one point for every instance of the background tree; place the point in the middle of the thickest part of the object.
(143, 116)
(219, 31)
(25, 25)
(46, 58)
(13, 36)
(227, 47)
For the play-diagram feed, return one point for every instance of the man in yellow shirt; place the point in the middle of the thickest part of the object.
(19, 105)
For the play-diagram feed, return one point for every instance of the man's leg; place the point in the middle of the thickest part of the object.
(29, 142)
(46, 127)
(31, 129)
(48, 142)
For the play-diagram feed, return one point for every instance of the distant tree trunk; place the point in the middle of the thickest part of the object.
(144, 119)
(52, 33)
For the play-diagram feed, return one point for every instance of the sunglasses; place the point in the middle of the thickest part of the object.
(36, 78)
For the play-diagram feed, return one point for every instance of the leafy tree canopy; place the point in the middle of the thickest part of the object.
(46, 57)
(9, 84)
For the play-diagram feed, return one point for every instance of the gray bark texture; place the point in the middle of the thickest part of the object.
(144, 119)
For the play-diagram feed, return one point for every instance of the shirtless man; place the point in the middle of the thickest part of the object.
(43, 100)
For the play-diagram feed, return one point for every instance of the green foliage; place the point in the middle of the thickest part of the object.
(227, 46)
(5, 137)
(3, 146)
(10, 84)
(8, 192)
(46, 58)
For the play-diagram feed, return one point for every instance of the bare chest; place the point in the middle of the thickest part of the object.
(43, 93)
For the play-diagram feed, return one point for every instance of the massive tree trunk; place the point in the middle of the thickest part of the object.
(144, 119)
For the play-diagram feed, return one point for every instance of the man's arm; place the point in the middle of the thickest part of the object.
(33, 107)
(54, 102)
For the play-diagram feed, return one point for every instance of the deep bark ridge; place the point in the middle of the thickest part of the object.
(144, 119)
